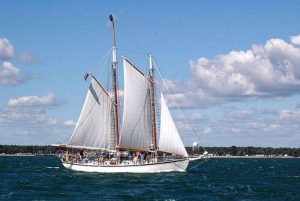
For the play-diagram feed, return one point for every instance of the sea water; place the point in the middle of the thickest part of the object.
(44, 178)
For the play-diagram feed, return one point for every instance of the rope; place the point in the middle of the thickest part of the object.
(101, 61)
(197, 164)
(136, 41)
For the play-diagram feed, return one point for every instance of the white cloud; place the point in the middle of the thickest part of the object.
(170, 85)
(236, 130)
(207, 130)
(191, 98)
(239, 114)
(274, 126)
(28, 118)
(263, 71)
(6, 49)
(193, 117)
(252, 124)
(70, 123)
(11, 75)
(287, 115)
(271, 70)
(22, 116)
(295, 39)
(52, 121)
(48, 100)
(29, 110)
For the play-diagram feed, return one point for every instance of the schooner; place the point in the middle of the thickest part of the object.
(98, 127)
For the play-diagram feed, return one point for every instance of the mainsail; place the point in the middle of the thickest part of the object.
(136, 125)
(169, 140)
(93, 128)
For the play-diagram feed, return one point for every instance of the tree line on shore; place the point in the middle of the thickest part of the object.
(219, 151)
(247, 151)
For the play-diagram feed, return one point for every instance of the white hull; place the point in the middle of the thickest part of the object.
(164, 166)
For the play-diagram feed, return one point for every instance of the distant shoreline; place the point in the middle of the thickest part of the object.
(252, 157)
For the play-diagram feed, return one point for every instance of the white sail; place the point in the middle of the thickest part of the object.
(136, 124)
(94, 126)
(169, 140)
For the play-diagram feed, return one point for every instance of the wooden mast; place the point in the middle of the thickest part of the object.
(114, 79)
(151, 72)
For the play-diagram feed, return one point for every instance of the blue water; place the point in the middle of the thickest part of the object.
(43, 178)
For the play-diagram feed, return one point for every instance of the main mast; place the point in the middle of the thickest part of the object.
(151, 73)
(114, 79)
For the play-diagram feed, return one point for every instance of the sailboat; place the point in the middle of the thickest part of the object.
(98, 128)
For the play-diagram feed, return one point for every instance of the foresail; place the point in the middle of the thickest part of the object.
(136, 124)
(94, 126)
(169, 140)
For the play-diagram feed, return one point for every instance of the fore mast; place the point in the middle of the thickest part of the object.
(114, 80)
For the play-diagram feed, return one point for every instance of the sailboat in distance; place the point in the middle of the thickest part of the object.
(105, 146)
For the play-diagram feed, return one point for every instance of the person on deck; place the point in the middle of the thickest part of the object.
(81, 154)
(142, 157)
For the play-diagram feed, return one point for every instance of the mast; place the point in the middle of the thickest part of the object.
(114, 79)
(151, 72)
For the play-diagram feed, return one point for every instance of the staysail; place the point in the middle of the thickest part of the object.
(169, 140)
(136, 125)
(93, 128)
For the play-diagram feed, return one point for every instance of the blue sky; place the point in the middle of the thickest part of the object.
(234, 66)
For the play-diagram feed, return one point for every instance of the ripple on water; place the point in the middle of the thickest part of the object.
(43, 178)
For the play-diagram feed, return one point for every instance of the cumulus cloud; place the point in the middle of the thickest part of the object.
(30, 125)
(295, 39)
(271, 70)
(29, 110)
(11, 75)
(23, 116)
(48, 100)
(28, 116)
(70, 123)
(6, 49)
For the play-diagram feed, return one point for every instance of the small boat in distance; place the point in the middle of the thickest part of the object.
(133, 146)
